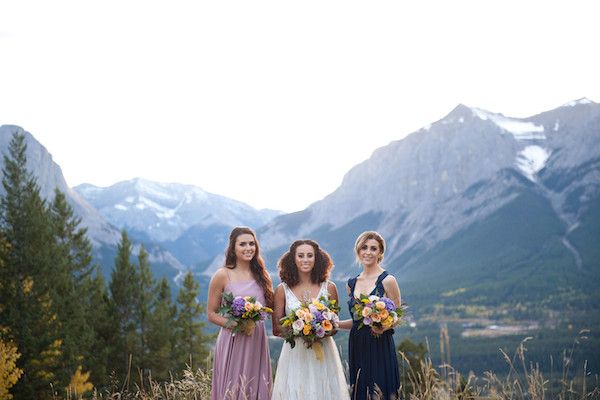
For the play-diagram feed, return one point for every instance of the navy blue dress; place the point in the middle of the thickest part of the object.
(372, 359)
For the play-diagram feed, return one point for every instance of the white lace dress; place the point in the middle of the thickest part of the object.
(300, 375)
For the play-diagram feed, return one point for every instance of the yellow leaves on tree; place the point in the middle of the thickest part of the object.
(9, 373)
(79, 382)
(47, 362)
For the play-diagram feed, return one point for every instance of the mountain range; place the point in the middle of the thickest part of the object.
(477, 204)
(189, 222)
(180, 226)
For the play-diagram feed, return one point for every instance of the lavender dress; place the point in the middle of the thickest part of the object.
(242, 364)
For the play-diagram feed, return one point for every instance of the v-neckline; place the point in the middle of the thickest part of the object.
(371, 292)
(299, 301)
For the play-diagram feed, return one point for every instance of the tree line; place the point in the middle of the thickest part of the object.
(62, 327)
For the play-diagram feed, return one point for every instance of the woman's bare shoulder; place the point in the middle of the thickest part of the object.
(220, 275)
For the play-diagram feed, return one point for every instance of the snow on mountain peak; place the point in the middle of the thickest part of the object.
(573, 103)
(531, 160)
(521, 130)
(152, 189)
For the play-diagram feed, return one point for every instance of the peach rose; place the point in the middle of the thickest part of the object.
(306, 329)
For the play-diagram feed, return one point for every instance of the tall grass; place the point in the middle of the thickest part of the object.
(425, 381)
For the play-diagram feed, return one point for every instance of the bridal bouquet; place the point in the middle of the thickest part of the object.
(244, 311)
(311, 322)
(377, 311)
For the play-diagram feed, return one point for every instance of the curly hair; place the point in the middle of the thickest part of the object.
(257, 264)
(288, 271)
(362, 239)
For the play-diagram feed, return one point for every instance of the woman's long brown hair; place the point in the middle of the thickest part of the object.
(257, 264)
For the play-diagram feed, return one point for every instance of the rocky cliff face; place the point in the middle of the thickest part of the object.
(427, 188)
(49, 176)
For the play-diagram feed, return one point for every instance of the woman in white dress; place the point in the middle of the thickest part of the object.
(304, 271)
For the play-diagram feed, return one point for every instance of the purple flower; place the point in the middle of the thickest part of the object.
(237, 306)
(367, 321)
(389, 304)
(318, 316)
(320, 332)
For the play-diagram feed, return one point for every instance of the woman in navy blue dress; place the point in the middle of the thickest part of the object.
(371, 350)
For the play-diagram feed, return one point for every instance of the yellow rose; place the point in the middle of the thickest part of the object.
(300, 313)
(380, 305)
(366, 312)
(308, 317)
(326, 325)
(306, 329)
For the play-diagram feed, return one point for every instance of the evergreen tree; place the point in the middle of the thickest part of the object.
(73, 266)
(161, 337)
(146, 294)
(191, 340)
(29, 277)
(124, 290)
(105, 329)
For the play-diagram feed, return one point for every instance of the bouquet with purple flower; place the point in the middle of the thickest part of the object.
(312, 322)
(377, 311)
(243, 312)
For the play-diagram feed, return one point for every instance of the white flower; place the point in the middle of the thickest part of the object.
(373, 298)
(298, 325)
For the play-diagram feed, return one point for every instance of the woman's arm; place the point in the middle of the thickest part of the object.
(333, 293)
(346, 323)
(390, 285)
(215, 290)
(278, 310)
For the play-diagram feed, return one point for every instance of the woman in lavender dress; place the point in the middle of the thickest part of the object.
(242, 364)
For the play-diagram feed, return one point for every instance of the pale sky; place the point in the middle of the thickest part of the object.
(272, 102)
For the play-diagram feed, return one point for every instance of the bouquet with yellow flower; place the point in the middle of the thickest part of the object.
(377, 311)
(244, 311)
(311, 322)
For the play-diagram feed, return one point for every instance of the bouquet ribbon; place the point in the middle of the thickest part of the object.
(318, 349)
(247, 327)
